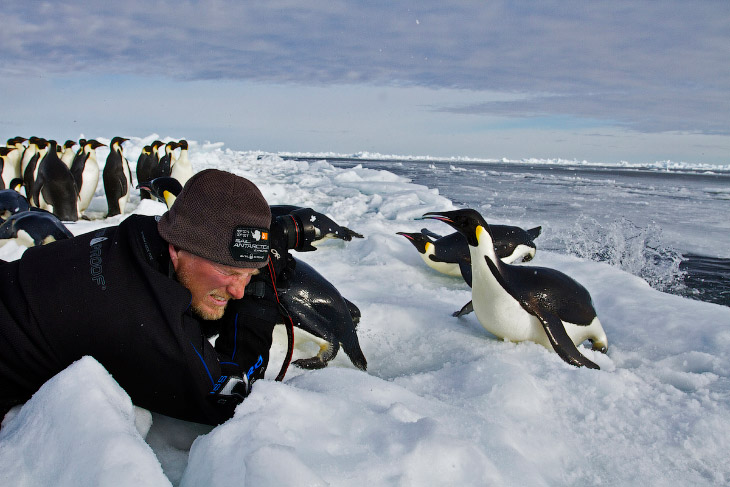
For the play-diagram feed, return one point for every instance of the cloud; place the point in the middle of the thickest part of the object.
(649, 66)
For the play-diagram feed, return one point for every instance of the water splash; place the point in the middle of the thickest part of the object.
(634, 249)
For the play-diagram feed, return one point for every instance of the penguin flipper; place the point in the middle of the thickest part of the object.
(465, 310)
(561, 342)
(428, 233)
(465, 269)
(327, 352)
(357, 357)
(354, 311)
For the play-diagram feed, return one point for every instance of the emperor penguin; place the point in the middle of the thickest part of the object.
(31, 228)
(54, 188)
(322, 315)
(164, 189)
(85, 170)
(164, 167)
(520, 302)
(11, 163)
(12, 202)
(68, 154)
(512, 244)
(38, 147)
(4, 162)
(449, 254)
(28, 152)
(182, 170)
(117, 178)
(144, 170)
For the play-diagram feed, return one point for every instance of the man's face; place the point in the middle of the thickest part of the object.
(211, 284)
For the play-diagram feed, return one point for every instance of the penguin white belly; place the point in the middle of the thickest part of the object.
(500, 313)
(182, 170)
(304, 342)
(519, 254)
(125, 197)
(90, 180)
(43, 204)
(9, 171)
(442, 267)
(593, 332)
(24, 239)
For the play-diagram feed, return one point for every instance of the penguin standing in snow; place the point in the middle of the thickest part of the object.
(4, 162)
(164, 167)
(530, 303)
(85, 170)
(182, 170)
(144, 170)
(117, 178)
(11, 162)
(68, 154)
(54, 188)
(34, 154)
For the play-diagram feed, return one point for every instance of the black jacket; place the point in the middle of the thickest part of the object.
(111, 294)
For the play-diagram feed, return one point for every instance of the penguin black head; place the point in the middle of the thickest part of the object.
(183, 144)
(12, 202)
(171, 146)
(69, 144)
(164, 188)
(117, 141)
(464, 221)
(15, 184)
(4, 151)
(16, 140)
(94, 144)
(417, 239)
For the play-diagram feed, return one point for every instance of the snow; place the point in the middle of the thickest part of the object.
(443, 402)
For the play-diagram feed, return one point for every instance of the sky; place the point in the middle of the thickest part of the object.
(597, 81)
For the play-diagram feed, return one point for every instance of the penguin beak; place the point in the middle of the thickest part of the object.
(459, 222)
(432, 215)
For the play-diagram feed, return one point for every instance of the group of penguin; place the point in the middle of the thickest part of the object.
(44, 184)
(63, 180)
(511, 300)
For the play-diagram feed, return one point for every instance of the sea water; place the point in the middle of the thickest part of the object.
(669, 226)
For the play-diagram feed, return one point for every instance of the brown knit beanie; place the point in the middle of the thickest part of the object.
(221, 217)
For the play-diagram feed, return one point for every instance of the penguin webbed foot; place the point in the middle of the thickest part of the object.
(465, 310)
(327, 352)
(313, 363)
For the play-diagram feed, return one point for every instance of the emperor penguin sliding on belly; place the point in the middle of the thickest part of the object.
(521, 303)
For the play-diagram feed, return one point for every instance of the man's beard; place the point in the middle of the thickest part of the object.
(206, 313)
